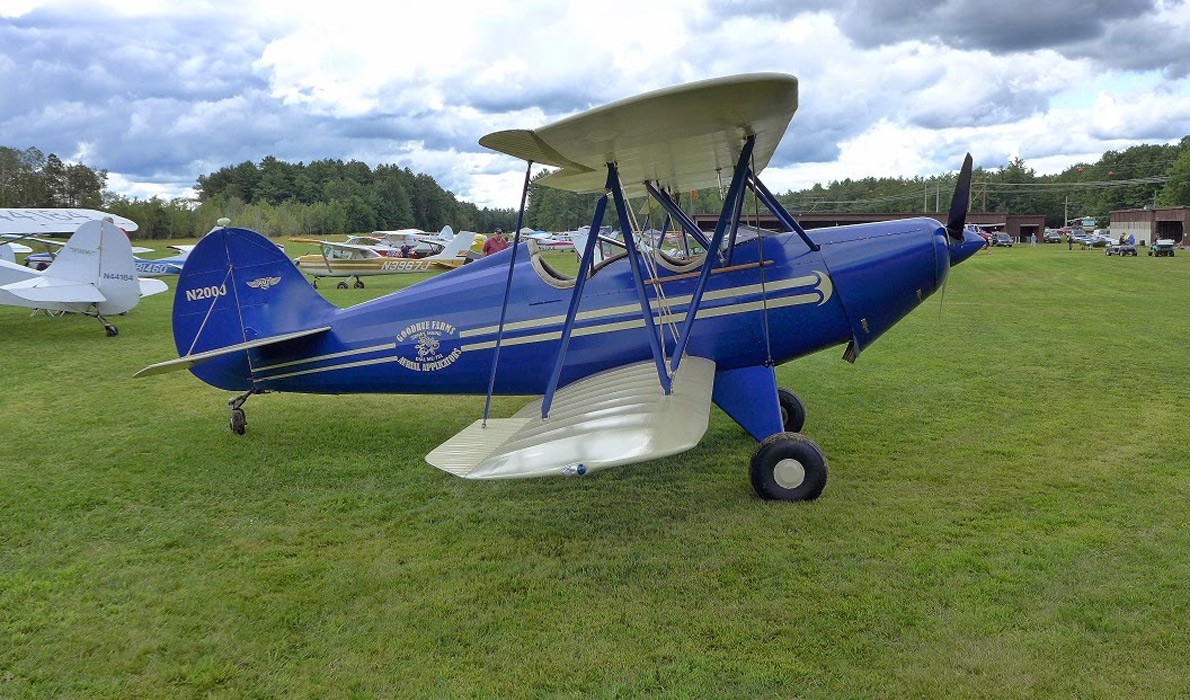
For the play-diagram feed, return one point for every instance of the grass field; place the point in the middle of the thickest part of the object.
(1006, 516)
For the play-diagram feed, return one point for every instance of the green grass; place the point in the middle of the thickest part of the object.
(1006, 517)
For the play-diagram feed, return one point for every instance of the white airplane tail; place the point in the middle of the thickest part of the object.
(447, 233)
(454, 247)
(7, 254)
(99, 254)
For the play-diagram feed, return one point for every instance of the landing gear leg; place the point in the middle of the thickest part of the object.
(108, 327)
(793, 411)
(239, 421)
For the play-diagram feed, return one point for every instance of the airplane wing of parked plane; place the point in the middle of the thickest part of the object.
(680, 138)
(55, 220)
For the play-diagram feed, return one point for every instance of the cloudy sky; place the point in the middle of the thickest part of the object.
(160, 92)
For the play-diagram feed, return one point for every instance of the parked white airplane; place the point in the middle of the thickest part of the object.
(93, 274)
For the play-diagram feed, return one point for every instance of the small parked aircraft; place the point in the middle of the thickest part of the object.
(626, 356)
(93, 275)
(354, 260)
(158, 267)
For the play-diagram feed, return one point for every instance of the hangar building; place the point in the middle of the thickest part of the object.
(1149, 224)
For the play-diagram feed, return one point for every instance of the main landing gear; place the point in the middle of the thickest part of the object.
(789, 466)
(359, 284)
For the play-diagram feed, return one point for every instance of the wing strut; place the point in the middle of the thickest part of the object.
(637, 278)
(729, 208)
(516, 241)
(580, 281)
(676, 212)
(779, 211)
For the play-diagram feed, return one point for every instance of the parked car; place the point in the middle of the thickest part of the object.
(1162, 247)
(1051, 236)
(1001, 239)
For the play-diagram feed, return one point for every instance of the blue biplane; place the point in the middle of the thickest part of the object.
(628, 354)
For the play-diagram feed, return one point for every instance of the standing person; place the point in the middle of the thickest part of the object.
(1032, 240)
(1070, 240)
(495, 243)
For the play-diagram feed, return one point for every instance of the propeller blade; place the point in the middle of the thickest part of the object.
(960, 203)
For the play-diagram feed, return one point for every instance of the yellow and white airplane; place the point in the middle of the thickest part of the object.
(356, 259)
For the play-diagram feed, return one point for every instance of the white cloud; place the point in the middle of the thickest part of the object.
(209, 84)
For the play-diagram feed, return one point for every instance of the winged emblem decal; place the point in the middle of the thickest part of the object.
(263, 283)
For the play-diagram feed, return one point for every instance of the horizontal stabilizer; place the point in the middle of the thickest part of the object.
(616, 417)
(47, 289)
(187, 361)
(149, 287)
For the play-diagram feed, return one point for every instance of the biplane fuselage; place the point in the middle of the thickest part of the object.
(439, 336)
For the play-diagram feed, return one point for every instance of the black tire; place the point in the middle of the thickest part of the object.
(315, 283)
(341, 285)
(239, 421)
(788, 467)
(112, 331)
(793, 411)
(359, 284)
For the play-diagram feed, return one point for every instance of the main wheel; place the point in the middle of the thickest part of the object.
(239, 422)
(315, 283)
(359, 284)
(341, 285)
(112, 331)
(788, 467)
(793, 411)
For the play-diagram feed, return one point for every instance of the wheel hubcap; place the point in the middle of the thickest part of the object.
(789, 473)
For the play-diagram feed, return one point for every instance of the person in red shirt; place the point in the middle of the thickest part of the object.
(495, 243)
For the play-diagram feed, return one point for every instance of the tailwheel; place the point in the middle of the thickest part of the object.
(788, 467)
(111, 330)
(793, 411)
(359, 284)
(239, 421)
(341, 285)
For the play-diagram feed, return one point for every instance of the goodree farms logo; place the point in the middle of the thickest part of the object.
(428, 353)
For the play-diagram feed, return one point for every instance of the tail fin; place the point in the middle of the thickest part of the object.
(447, 233)
(99, 253)
(236, 287)
(455, 246)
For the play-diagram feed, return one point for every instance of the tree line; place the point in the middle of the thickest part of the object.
(330, 196)
(1144, 175)
(273, 197)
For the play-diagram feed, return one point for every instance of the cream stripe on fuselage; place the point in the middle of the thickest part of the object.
(821, 282)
